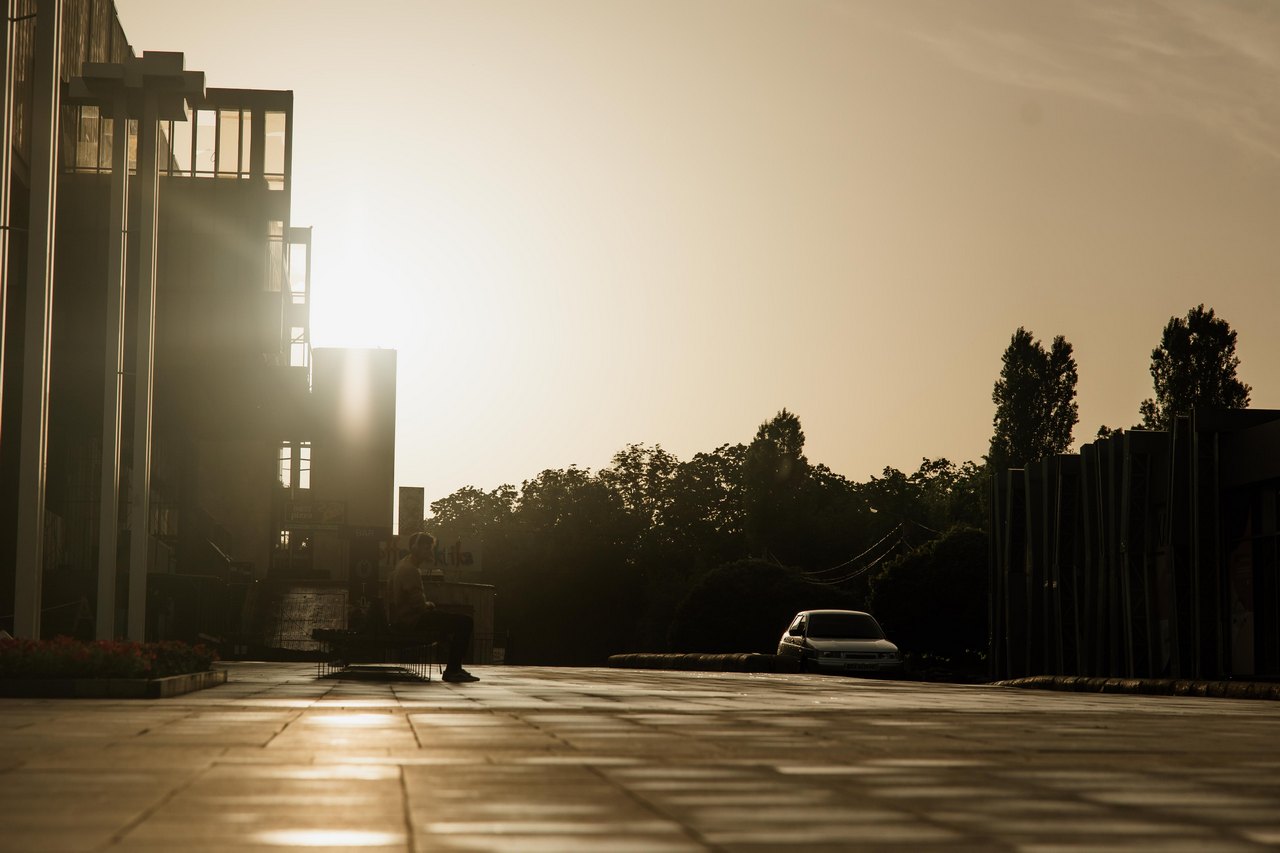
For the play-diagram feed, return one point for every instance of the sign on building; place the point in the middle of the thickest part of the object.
(412, 509)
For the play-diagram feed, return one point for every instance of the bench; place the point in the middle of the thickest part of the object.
(374, 642)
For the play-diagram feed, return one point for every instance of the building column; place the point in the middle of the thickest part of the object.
(6, 167)
(113, 384)
(148, 188)
(46, 98)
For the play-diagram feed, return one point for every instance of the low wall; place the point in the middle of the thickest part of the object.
(740, 662)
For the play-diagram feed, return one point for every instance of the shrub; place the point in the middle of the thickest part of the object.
(64, 657)
(745, 607)
(933, 601)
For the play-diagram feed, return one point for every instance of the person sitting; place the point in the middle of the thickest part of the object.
(409, 611)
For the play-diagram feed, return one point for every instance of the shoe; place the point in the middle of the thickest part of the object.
(458, 676)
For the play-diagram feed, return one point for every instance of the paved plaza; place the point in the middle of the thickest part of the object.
(566, 760)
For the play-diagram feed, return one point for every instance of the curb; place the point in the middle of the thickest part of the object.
(110, 688)
(740, 662)
(1148, 686)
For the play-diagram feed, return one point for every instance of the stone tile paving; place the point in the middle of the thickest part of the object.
(545, 760)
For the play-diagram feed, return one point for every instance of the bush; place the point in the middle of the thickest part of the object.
(64, 657)
(932, 602)
(745, 607)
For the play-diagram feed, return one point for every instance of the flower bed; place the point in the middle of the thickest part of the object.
(66, 658)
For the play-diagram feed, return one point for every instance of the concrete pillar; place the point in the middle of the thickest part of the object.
(46, 91)
(147, 185)
(113, 385)
(6, 168)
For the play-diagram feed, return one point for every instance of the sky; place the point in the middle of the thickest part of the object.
(587, 223)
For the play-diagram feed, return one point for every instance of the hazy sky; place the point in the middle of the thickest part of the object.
(584, 224)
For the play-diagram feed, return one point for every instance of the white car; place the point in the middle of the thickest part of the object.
(839, 641)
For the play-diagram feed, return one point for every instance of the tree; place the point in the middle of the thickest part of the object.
(938, 495)
(745, 606)
(1035, 399)
(1194, 366)
(772, 474)
(471, 514)
(933, 600)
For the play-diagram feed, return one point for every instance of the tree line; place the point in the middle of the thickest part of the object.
(716, 552)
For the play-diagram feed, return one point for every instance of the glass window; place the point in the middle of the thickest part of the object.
(283, 543)
(206, 122)
(228, 154)
(273, 156)
(180, 143)
(304, 466)
(105, 147)
(133, 145)
(87, 139)
(275, 256)
(246, 143)
(297, 347)
(845, 626)
(298, 273)
(284, 466)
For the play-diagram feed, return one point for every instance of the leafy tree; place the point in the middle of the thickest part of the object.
(933, 600)
(570, 594)
(1194, 366)
(1035, 399)
(772, 474)
(472, 514)
(640, 476)
(745, 606)
(938, 495)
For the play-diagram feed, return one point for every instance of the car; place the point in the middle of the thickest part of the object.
(846, 641)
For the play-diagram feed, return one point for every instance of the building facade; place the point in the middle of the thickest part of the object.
(167, 432)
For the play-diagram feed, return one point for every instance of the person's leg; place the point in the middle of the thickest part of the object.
(458, 628)
(455, 628)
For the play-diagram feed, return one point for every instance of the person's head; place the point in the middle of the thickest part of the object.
(421, 545)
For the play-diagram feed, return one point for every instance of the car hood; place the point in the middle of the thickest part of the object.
(834, 645)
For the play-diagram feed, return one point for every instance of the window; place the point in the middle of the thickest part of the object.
(298, 349)
(87, 140)
(293, 465)
(284, 466)
(234, 143)
(179, 136)
(204, 159)
(298, 273)
(304, 467)
(275, 255)
(274, 151)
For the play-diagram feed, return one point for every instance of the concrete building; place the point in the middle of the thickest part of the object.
(173, 455)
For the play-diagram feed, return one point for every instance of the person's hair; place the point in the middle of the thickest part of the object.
(418, 538)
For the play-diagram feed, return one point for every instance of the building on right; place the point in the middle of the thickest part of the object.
(1149, 554)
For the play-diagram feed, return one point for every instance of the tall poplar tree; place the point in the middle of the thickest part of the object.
(1035, 399)
(1194, 366)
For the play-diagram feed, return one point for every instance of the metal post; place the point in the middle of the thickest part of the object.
(117, 236)
(39, 319)
(148, 186)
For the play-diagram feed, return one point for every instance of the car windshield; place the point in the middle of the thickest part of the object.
(844, 626)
